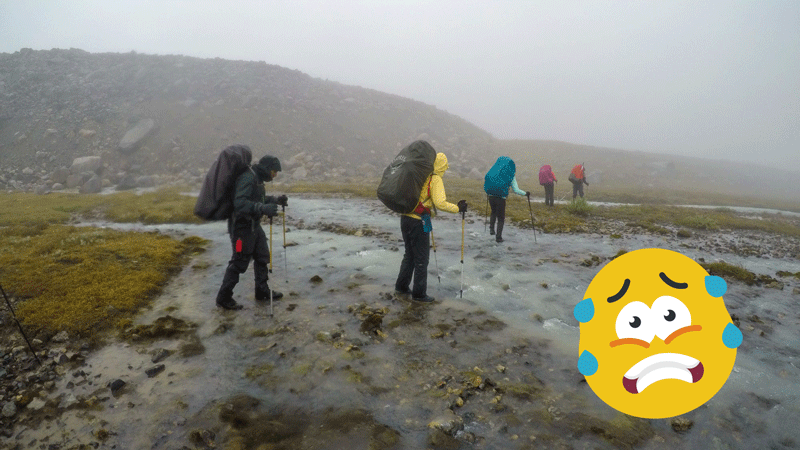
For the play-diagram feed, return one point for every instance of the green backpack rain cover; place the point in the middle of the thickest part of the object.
(402, 181)
(498, 178)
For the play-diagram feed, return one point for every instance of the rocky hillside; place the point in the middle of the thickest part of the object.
(134, 120)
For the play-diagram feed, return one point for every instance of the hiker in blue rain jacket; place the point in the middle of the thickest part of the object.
(497, 182)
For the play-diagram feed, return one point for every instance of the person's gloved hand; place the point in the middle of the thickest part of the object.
(283, 200)
(587, 183)
(462, 206)
(527, 193)
(268, 209)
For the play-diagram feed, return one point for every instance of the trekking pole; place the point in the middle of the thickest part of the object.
(486, 213)
(461, 292)
(532, 223)
(433, 241)
(20, 326)
(285, 264)
(271, 314)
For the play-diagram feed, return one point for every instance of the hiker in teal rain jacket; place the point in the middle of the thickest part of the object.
(497, 182)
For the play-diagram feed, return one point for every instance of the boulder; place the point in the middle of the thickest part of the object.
(85, 164)
(60, 175)
(135, 136)
(300, 173)
(74, 181)
(145, 181)
(93, 186)
(126, 182)
(58, 187)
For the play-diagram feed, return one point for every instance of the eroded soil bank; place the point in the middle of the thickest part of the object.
(346, 363)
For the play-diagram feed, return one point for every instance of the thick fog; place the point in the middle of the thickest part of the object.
(715, 79)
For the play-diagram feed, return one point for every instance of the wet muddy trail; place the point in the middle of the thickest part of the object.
(345, 363)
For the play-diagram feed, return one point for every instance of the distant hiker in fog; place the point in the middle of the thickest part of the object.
(247, 237)
(416, 235)
(546, 179)
(498, 180)
(578, 179)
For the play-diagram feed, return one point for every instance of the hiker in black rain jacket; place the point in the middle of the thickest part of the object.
(247, 236)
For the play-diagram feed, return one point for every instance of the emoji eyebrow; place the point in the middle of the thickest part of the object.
(671, 283)
(621, 292)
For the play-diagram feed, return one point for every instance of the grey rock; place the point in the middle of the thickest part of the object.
(41, 190)
(135, 136)
(60, 175)
(126, 182)
(116, 385)
(300, 173)
(85, 164)
(448, 422)
(36, 404)
(74, 181)
(61, 337)
(155, 370)
(58, 187)
(9, 409)
(27, 171)
(160, 355)
(69, 401)
(93, 186)
(145, 181)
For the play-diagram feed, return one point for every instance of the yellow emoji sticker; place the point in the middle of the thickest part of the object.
(656, 339)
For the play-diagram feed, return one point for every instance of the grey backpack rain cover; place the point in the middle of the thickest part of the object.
(215, 201)
(402, 181)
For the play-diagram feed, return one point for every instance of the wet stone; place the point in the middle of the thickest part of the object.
(116, 385)
(160, 355)
(316, 279)
(681, 425)
(155, 370)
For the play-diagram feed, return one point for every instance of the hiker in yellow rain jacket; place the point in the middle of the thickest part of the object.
(417, 239)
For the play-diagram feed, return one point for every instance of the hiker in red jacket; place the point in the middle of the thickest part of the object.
(578, 179)
(546, 179)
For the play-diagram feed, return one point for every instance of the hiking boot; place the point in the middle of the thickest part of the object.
(264, 295)
(405, 291)
(229, 304)
(426, 299)
(499, 239)
(491, 231)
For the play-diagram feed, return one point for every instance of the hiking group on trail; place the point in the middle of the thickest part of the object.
(411, 185)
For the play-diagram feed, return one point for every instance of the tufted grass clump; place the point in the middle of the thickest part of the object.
(700, 222)
(83, 280)
(579, 207)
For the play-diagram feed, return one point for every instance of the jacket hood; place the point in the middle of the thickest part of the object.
(440, 165)
(265, 166)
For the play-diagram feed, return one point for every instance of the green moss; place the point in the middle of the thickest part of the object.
(700, 222)
(83, 279)
(730, 272)
(167, 205)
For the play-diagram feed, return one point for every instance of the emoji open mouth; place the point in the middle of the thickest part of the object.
(661, 367)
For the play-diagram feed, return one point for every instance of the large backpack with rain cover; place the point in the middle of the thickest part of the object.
(546, 175)
(498, 178)
(402, 180)
(215, 201)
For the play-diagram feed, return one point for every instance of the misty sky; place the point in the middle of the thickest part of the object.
(716, 79)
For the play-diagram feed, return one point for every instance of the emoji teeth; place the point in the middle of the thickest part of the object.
(659, 367)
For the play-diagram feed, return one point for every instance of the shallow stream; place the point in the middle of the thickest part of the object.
(312, 376)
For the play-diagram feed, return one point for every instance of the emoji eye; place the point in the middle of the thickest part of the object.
(634, 321)
(669, 314)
